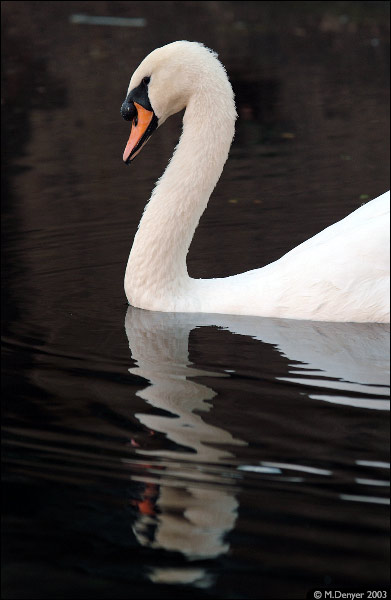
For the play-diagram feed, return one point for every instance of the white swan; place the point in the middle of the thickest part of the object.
(341, 274)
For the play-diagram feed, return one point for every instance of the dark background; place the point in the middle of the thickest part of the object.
(312, 144)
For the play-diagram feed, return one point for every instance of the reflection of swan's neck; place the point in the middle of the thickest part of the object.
(157, 262)
(159, 345)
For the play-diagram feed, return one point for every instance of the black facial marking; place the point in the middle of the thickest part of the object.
(138, 94)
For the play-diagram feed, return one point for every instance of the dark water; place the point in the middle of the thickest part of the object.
(154, 455)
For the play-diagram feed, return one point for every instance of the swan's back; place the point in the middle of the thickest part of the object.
(342, 273)
(374, 214)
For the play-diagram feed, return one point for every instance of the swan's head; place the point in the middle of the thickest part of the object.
(163, 84)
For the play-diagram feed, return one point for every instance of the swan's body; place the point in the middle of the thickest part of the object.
(341, 274)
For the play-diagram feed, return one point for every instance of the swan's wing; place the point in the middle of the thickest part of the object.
(354, 249)
(373, 214)
(346, 267)
(341, 274)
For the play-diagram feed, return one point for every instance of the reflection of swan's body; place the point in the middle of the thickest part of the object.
(348, 357)
(341, 274)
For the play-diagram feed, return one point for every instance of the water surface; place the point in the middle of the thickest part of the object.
(200, 456)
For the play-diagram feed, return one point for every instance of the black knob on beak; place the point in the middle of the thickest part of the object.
(128, 110)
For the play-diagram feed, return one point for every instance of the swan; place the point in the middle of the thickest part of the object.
(340, 274)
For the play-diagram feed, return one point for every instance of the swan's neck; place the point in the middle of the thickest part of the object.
(156, 268)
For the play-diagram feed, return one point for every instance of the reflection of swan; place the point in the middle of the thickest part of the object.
(179, 514)
(341, 274)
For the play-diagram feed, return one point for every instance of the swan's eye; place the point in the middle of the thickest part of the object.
(146, 80)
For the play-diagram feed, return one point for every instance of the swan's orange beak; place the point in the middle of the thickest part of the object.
(143, 125)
